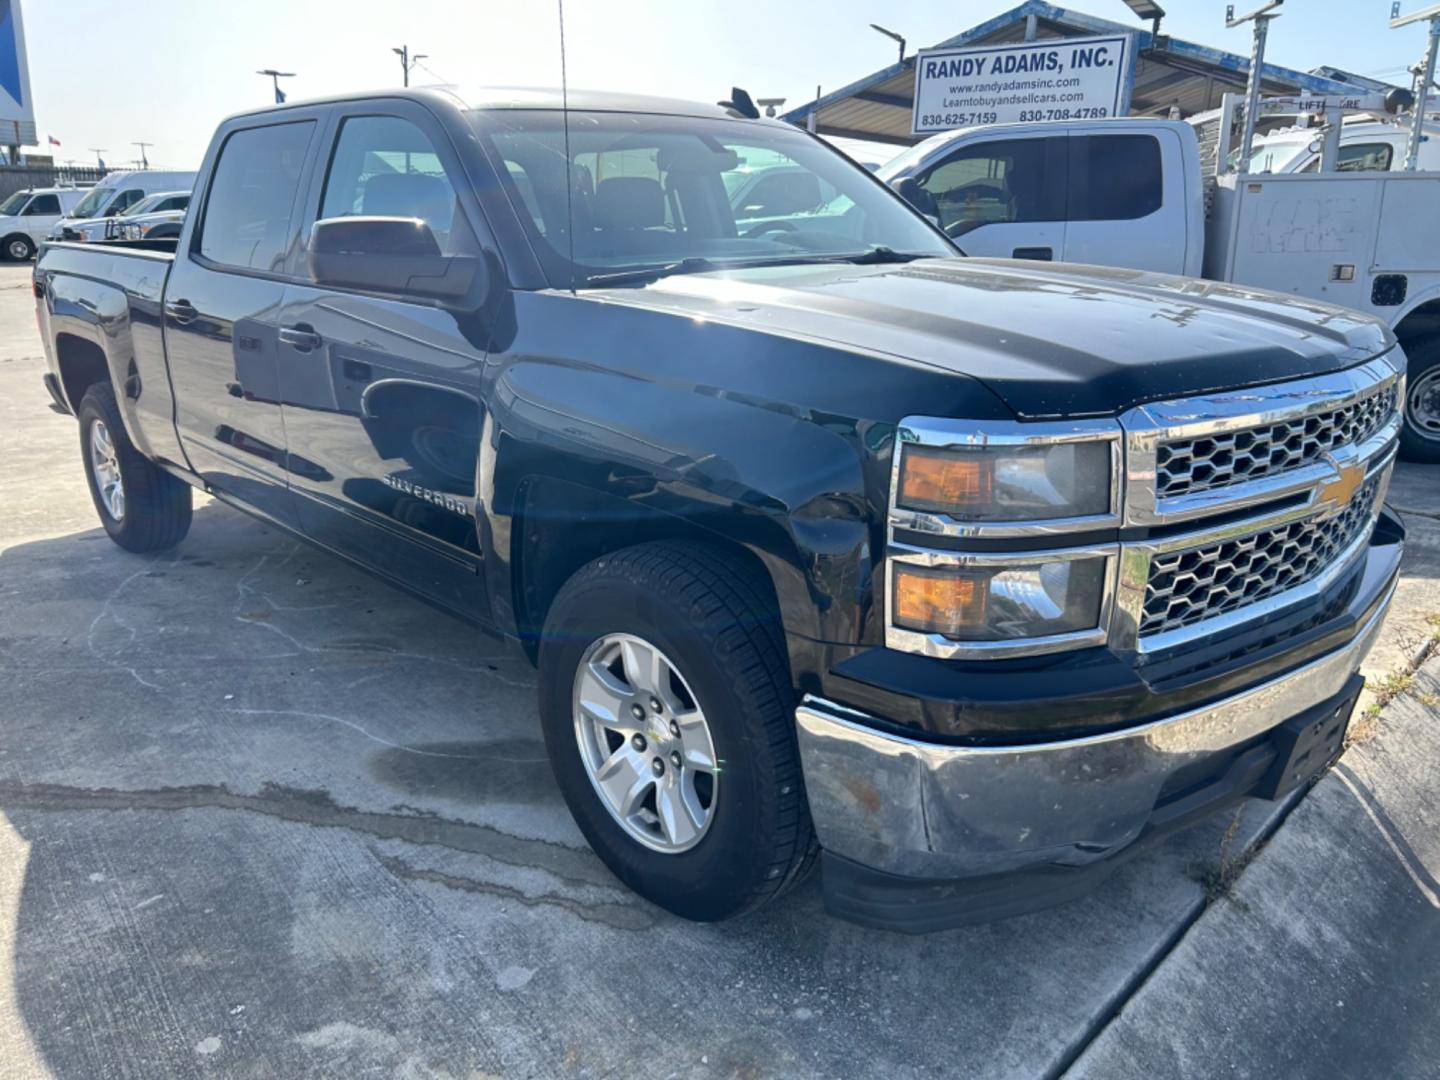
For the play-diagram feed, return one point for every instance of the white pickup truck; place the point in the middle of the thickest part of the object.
(1132, 193)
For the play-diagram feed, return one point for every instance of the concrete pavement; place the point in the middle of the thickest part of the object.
(261, 815)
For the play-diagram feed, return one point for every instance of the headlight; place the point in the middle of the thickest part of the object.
(1008, 483)
(1033, 597)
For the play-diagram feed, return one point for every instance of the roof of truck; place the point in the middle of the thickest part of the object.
(519, 97)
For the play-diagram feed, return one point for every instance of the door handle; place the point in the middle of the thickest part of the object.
(1043, 254)
(301, 337)
(182, 311)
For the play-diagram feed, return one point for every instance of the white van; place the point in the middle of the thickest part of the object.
(115, 194)
(27, 217)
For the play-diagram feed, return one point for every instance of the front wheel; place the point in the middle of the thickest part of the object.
(142, 507)
(1420, 435)
(19, 247)
(667, 710)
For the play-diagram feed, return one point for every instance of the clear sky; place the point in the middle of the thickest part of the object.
(105, 74)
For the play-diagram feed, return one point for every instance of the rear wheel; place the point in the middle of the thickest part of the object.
(667, 709)
(19, 247)
(1420, 435)
(142, 507)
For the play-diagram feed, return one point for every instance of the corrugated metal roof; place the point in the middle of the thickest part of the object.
(1169, 73)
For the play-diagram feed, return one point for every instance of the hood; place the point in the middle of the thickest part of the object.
(1050, 340)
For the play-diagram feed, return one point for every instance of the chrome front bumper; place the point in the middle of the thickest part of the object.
(933, 811)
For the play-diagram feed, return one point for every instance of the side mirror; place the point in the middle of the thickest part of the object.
(389, 254)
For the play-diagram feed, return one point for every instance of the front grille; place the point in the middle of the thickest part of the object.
(1188, 466)
(1190, 586)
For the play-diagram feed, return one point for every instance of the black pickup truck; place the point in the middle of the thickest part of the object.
(966, 577)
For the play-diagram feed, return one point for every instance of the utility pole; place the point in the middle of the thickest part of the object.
(1261, 17)
(275, 77)
(144, 161)
(97, 151)
(408, 62)
(1425, 77)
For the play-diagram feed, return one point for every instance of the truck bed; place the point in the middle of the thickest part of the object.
(107, 306)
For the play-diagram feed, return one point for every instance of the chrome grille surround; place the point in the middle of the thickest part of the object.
(1193, 584)
(1328, 497)
(1189, 465)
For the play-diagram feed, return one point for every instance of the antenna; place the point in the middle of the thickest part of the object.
(1424, 75)
(565, 121)
(1261, 17)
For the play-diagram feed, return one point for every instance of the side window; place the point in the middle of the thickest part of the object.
(1115, 177)
(1006, 180)
(780, 194)
(43, 205)
(386, 167)
(124, 201)
(1364, 157)
(247, 212)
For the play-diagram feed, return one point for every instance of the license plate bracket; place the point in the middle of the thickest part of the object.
(1308, 744)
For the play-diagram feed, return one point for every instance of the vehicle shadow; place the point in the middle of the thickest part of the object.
(261, 814)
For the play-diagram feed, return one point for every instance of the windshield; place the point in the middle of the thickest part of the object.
(144, 206)
(653, 190)
(90, 205)
(13, 205)
(1272, 155)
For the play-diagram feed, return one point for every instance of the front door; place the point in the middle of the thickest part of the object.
(222, 305)
(381, 391)
(1003, 198)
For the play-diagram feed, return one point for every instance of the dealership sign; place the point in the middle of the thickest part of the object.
(1058, 79)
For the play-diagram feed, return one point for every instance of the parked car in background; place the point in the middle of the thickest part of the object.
(154, 217)
(1367, 144)
(27, 217)
(1133, 193)
(965, 575)
(113, 196)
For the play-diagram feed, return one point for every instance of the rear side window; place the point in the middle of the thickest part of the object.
(1114, 177)
(1003, 180)
(43, 205)
(252, 194)
(1364, 157)
(385, 166)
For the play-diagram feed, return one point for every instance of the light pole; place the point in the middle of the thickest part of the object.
(407, 61)
(144, 161)
(893, 36)
(97, 151)
(275, 77)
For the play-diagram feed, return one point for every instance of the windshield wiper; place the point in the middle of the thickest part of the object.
(882, 254)
(691, 265)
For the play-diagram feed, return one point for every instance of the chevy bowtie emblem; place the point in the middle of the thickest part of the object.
(1339, 490)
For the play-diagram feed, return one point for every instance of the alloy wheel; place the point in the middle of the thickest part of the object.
(645, 743)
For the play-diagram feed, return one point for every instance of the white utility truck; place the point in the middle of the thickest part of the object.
(1133, 193)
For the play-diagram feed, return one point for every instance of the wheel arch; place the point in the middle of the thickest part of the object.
(82, 364)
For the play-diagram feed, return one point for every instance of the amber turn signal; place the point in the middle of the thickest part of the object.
(940, 480)
(939, 602)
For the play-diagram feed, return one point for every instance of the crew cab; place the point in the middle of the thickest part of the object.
(1131, 192)
(966, 576)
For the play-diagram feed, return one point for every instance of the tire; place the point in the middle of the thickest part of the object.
(153, 512)
(19, 248)
(710, 616)
(1420, 433)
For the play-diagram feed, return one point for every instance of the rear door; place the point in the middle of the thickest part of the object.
(222, 303)
(1118, 210)
(1002, 197)
(382, 390)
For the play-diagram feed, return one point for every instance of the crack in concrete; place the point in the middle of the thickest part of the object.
(571, 866)
(618, 916)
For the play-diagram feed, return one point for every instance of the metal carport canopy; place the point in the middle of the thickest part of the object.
(1168, 72)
